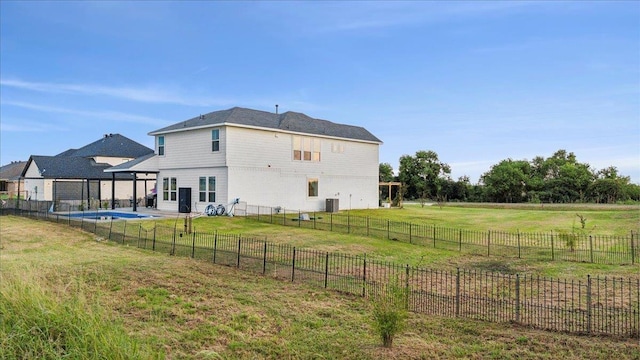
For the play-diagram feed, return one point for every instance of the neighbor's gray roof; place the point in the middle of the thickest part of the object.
(71, 167)
(112, 145)
(12, 171)
(288, 121)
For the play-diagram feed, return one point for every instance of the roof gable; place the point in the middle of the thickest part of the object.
(68, 167)
(288, 121)
(13, 170)
(110, 145)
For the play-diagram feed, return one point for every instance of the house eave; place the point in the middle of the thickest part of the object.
(209, 126)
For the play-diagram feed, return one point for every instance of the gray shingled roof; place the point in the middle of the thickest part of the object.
(288, 121)
(112, 145)
(71, 167)
(12, 171)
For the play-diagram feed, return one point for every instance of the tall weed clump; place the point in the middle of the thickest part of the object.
(38, 323)
(390, 312)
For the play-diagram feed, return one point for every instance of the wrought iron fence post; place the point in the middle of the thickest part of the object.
(633, 252)
(264, 259)
(124, 235)
(589, 304)
(348, 223)
(293, 265)
(519, 244)
(407, 288)
(139, 233)
(552, 252)
(410, 233)
(299, 218)
(215, 245)
(173, 243)
(330, 221)
(457, 292)
(326, 270)
(517, 298)
(193, 244)
(110, 226)
(239, 245)
(460, 240)
(364, 275)
(591, 247)
(434, 236)
(153, 245)
(489, 243)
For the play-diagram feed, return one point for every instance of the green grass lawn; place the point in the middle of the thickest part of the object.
(180, 308)
(601, 220)
(398, 252)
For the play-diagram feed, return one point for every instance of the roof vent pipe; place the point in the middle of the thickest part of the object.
(276, 109)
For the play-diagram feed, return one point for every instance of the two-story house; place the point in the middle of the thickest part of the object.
(288, 160)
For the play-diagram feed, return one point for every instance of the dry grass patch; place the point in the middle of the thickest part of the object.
(187, 309)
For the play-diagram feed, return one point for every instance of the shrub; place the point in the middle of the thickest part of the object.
(390, 312)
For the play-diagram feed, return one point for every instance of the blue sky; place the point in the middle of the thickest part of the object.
(476, 82)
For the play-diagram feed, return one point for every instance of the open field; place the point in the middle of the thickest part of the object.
(600, 219)
(398, 252)
(191, 309)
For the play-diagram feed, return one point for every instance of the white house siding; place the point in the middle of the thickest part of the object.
(111, 160)
(35, 189)
(189, 178)
(262, 171)
(191, 149)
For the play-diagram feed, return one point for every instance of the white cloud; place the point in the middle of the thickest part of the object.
(107, 115)
(150, 94)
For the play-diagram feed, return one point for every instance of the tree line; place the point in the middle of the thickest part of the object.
(560, 178)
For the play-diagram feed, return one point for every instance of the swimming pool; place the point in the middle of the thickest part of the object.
(108, 215)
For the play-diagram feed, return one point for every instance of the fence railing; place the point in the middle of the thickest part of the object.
(603, 306)
(601, 249)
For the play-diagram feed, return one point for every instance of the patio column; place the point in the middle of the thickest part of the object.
(113, 191)
(88, 194)
(135, 188)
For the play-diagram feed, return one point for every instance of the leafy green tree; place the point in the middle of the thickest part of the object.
(423, 174)
(506, 181)
(385, 173)
(609, 187)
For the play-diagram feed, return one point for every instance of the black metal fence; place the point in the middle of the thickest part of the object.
(602, 306)
(601, 249)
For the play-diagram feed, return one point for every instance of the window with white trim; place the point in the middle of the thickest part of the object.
(312, 186)
(306, 149)
(169, 189)
(161, 145)
(215, 140)
(207, 189)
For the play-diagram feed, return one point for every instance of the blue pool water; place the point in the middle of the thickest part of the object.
(105, 215)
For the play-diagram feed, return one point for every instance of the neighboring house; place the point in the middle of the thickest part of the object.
(10, 182)
(78, 174)
(288, 160)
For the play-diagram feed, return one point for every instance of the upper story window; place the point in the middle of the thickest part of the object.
(306, 149)
(161, 145)
(215, 140)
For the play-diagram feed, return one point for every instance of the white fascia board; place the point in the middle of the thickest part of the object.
(264, 129)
